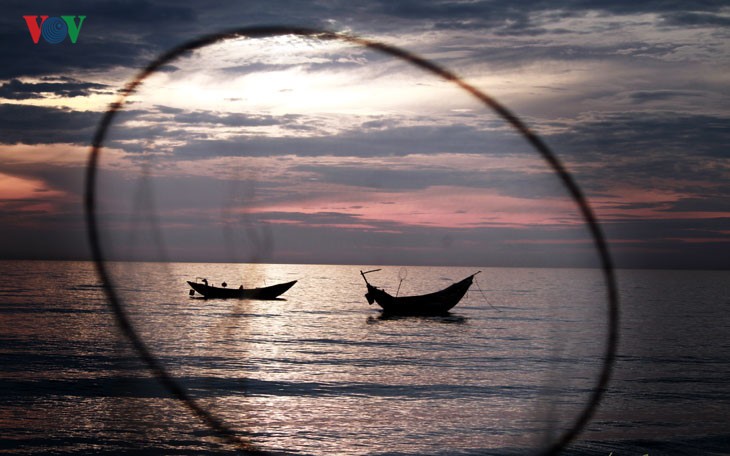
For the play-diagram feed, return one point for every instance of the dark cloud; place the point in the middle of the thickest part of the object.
(39, 125)
(669, 243)
(233, 119)
(255, 67)
(395, 141)
(112, 35)
(696, 19)
(29, 124)
(335, 237)
(642, 133)
(33, 236)
(520, 54)
(177, 124)
(710, 203)
(332, 62)
(169, 110)
(531, 185)
(189, 210)
(707, 203)
(51, 87)
(644, 96)
(127, 34)
(660, 7)
(534, 18)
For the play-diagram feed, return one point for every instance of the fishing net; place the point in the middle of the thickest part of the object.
(244, 155)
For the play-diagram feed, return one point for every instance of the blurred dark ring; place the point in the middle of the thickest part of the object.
(569, 183)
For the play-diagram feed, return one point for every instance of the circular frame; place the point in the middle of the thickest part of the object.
(543, 150)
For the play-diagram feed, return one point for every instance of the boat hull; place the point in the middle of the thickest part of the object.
(438, 303)
(265, 293)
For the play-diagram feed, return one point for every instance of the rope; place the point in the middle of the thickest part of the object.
(402, 274)
(485, 296)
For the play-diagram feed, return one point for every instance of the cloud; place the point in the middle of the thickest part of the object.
(396, 141)
(51, 87)
(40, 125)
(640, 133)
(404, 177)
(537, 18)
(109, 38)
(196, 212)
(630, 94)
(696, 19)
(126, 34)
(14, 188)
(644, 96)
(709, 203)
(669, 243)
(233, 119)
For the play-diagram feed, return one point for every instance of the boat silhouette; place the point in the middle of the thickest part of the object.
(437, 303)
(264, 293)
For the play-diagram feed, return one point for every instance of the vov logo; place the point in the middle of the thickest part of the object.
(54, 29)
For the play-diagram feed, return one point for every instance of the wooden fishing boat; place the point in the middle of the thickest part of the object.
(265, 293)
(438, 303)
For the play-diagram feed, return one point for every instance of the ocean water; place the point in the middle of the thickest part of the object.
(320, 371)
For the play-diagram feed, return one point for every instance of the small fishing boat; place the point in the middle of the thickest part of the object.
(438, 303)
(265, 293)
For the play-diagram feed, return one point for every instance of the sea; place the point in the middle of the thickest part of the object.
(321, 372)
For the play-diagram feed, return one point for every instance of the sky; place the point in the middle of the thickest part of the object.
(293, 149)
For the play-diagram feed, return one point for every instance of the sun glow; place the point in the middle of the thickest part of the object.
(292, 75)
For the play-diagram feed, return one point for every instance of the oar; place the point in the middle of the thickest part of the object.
(368, 272)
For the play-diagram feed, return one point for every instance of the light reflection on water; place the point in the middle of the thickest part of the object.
(321, 372)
